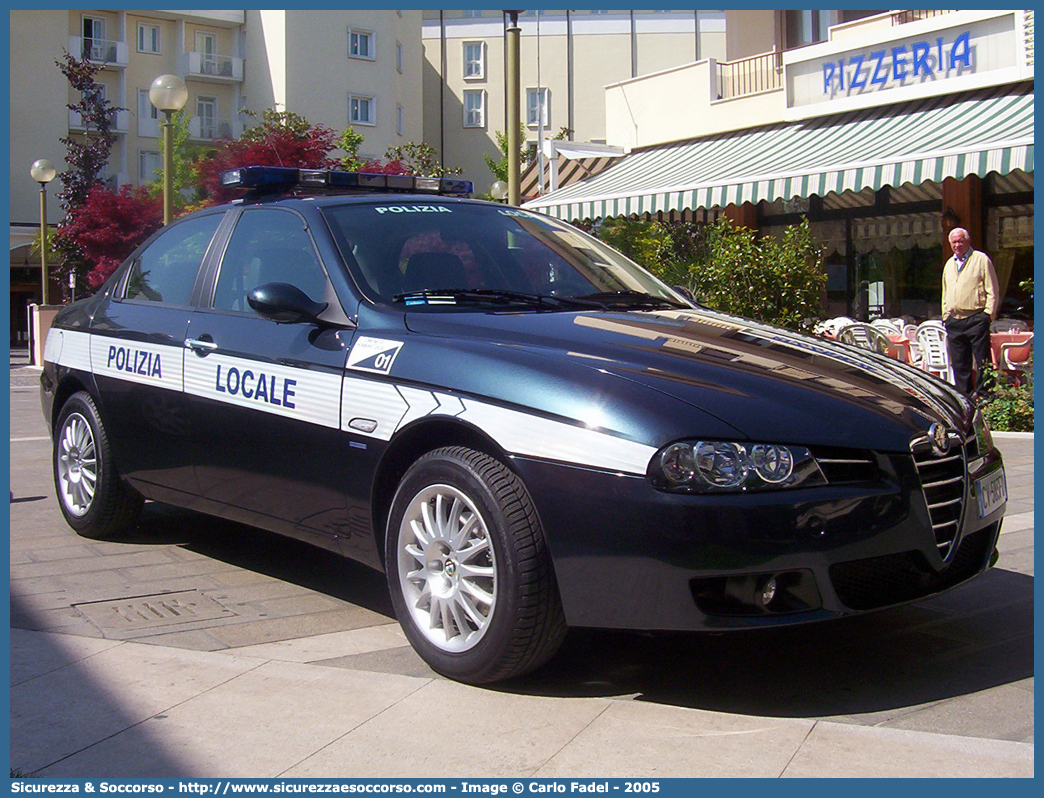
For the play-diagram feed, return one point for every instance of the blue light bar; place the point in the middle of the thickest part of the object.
(273, 179)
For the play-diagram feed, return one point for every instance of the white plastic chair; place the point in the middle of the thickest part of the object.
(866, 336)
(833, 326)
(887, 326)
(935, 358)
(1016, 354)
(910, 331)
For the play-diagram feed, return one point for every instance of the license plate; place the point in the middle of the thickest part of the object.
(992, 492)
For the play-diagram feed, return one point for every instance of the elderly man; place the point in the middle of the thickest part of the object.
(969, 304)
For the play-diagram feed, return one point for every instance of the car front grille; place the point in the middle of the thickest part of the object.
(944, 478)
(845, 466)
(896, 578)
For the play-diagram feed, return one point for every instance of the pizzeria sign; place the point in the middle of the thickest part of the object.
(951, 52)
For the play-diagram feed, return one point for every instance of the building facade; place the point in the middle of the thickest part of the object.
(566, 59)
(721, 88)
(234, 63)
(888, 132)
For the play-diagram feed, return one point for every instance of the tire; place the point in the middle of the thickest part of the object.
(470, 575)
(95, 501)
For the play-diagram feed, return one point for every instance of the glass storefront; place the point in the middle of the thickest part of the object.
(890, 263)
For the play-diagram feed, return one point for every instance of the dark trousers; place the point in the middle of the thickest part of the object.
(967, 339)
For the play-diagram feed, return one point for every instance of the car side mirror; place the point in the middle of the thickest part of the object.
(284, 303)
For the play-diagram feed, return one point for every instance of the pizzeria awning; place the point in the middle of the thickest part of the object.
(944, 136)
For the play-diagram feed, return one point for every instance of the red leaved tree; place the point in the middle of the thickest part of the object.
(107, 227)
(392, 167)
(281, 139)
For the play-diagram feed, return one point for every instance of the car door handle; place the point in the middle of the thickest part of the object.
(199, 346)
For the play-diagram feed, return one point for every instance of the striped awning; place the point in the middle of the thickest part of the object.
(946, 136)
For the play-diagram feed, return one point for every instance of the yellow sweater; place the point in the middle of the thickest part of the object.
(973, 290)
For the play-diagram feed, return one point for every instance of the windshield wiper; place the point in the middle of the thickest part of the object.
(630, 299)
(492, 296)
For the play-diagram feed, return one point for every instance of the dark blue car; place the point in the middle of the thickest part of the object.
(521, 427)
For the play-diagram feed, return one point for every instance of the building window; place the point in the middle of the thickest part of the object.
(400, 120)
(146, 110)
(806, 27)
(472, 13)
(148, 38)
(206, 46)
(537, 100)
(93, 27)
(362, 110)
(206, 110)
(474, 60)
(95, 45)
(474, 108)
(149, 165)
(398, 56)
(361, 44)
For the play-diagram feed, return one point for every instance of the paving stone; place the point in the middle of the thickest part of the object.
(269, 630)
(72, 708)
(662, 742)
(64, 553)
(836, 750)
(514, 734)
(258, 592)
(241, 578)
(401, 659)
(169, 570)
(326, 706)
(305, 604)
(324, 648)
(195, 640)
(997, 713)
(148, 557)
(34, 654)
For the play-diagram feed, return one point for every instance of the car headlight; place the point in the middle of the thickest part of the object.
(719, 466)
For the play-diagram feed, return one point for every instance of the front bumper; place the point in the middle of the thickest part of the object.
(628, 556)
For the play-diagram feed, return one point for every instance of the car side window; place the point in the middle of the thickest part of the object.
(166, 270)
(267, 246)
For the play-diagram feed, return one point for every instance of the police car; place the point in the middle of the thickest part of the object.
(521, 427)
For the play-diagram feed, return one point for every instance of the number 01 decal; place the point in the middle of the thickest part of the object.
(373, 354)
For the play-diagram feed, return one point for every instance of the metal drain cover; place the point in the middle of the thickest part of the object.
(145, 612)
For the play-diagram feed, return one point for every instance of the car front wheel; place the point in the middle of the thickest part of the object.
(470, 575)
(92, 497)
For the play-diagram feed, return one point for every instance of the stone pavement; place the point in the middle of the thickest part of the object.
(202, 648)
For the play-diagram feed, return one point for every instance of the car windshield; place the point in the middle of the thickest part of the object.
(439, 255)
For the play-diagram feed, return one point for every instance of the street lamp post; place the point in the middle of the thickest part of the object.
(514, 118)
(43, 172)
(169, 94)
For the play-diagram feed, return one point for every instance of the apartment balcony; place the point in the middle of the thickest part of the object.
(759, 73)
(212, 68)
(213, 129)
(110, 54)
(121, 121)
(148, 127)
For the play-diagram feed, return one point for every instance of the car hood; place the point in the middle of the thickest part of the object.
(765, 382)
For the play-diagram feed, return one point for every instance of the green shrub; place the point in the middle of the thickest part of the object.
(729, 268)
(1010, 406)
